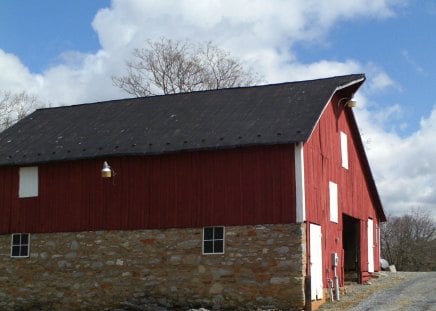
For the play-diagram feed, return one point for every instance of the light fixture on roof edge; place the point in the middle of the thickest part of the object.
(106, 171)
(347, 102)
(351, 103)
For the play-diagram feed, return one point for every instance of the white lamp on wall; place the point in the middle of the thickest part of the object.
(351, 103)
(347, 102)
(106, 171)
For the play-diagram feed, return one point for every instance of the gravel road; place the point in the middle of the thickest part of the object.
(400, 291)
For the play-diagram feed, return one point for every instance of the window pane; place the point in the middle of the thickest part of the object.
(15, 251)
(208, 247)
(218, 247)
(208, 233)
(24, 238)
(219, 233)
(16, 239)
(24, 251)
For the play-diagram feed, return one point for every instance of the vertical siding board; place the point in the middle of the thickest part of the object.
(255, 191)
(125, 212)
(287, 189)
(172, 219)
(75, 213)
(113, 205)
(155, 191)
(248, 199)
(4, 208)
(44, 208)
(271, 210)
(142, 192)
(197, 192)
(221, 210)
(183, 188)
(8, 187)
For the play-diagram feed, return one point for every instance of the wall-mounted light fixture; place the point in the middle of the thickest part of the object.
(348, 102)
(351, 103)
(106, 171)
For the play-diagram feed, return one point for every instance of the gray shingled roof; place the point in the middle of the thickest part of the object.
(228, 118)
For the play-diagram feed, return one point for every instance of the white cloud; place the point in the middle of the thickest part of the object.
(381, 81)
(15, 76)
(403, 167)
(261, 33)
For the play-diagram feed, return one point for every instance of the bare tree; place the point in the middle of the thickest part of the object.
(15, 106)
(409, 241)
(167, 67)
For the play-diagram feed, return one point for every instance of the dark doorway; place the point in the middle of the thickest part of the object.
(351, 245)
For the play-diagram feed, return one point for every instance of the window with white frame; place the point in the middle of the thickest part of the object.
(333, 193)
(20, 245)
(213, 240)
(28, 186)
(344, 150)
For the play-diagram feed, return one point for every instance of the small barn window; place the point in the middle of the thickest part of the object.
(344, 150)
(213, 240)
(20, 244)
(28, 186)
(333, 192)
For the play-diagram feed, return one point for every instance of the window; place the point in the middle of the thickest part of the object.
(344, 150)
(213, 240)
(333, 191)
(28, 182)
(20, 245)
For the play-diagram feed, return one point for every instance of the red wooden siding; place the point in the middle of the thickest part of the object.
(232, 187)
(322, 156)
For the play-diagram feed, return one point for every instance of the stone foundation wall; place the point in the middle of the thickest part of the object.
(263, 266)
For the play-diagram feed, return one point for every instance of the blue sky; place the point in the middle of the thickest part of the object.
(404, 46)
(39, 31)
(65, 52)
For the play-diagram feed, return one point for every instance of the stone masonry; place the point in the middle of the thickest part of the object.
(263, 266)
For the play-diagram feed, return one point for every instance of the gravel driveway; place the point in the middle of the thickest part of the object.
(405, 291)
(399, 291)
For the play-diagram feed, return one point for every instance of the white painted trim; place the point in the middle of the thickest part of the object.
(349, 84)
(300, 190)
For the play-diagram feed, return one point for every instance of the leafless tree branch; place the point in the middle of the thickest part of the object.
(409, 241)
(15, 106)
(167, 67)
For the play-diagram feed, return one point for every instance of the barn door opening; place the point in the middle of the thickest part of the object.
(351, 246)
(316, 262)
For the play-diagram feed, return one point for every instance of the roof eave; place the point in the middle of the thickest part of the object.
(357, 83)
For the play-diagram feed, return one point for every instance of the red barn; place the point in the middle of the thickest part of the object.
(229, 198)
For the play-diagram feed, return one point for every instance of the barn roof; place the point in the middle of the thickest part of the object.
(217, 119)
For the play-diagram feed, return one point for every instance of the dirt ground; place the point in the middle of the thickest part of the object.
(402, 291)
